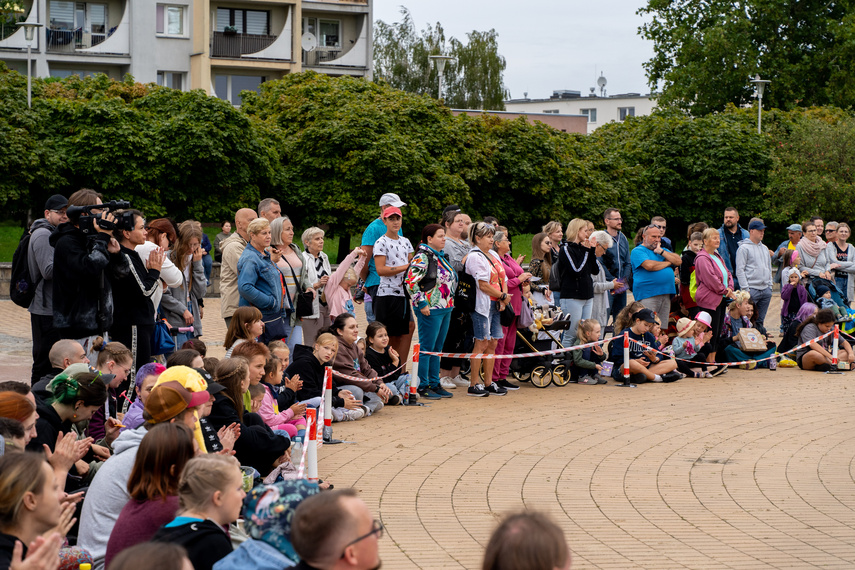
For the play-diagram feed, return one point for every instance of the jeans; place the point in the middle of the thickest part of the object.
(578, 309)
(843, 284)
(44, 337)
(295, 338)
(762, 298)
(369, 399)
(207, 263)
(400, 386)
(432, 332)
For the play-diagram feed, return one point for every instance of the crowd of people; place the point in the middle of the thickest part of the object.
(170, 446)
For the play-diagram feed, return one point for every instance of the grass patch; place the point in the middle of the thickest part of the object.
(10, 235)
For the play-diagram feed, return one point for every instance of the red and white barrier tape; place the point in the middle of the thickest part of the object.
(639, 345)
(361, 378)
(526, 355)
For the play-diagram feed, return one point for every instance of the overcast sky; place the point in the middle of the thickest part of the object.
(548, 44)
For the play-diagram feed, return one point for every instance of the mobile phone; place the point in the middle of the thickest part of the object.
(534, 279)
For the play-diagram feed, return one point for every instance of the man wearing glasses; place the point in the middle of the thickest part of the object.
(335, 530)
(616, 260)
(662, 224)
(40, 257)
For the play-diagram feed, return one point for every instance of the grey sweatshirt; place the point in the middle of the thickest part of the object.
(753, 265)
(456, 251)
(107, 496)
(40, 255)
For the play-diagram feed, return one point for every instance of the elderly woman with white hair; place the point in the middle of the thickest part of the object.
(316, 273)
(602, 286)
(291, 266)
(260, 281)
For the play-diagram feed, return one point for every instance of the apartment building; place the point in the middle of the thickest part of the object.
(597, 109)
(220, 46)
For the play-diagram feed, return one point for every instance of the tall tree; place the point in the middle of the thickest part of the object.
(705, 51)
(473, 80)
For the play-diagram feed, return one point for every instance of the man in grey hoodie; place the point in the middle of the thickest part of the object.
(108, 492)
(40, 256)
(754, 269)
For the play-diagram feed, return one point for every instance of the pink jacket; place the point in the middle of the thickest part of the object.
(337, 297)
(268, 412)
(711, 287)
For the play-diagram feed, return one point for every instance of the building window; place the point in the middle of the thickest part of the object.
(590, 113)
(172, 79)
(328, 32)
(170, 20)
(228, 87)
(624, 112)
(251, 22)
(78, 16)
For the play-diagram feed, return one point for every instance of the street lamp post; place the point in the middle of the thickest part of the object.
(29, 33)
(760, 85)
(440, 61)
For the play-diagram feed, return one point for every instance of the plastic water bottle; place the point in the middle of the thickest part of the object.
(773, 363)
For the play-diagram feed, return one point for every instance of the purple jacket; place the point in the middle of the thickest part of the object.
(513, 271)
(711, 287)
(786, 294)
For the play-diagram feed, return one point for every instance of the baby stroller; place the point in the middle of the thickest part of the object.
(542, 370)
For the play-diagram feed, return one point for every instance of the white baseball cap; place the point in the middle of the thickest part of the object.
(390, 199)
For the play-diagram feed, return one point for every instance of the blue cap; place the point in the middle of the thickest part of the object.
(756, 225)
(794, 228)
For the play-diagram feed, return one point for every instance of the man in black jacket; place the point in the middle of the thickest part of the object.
(82, 295)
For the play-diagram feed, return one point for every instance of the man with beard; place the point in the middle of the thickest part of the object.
(731, 233)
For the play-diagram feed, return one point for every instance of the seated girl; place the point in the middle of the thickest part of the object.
(247, 324)
(645, 365)
(145, 380)
(692, 343)
(586, 363)
(738, 316)
(292, 420)
(384, 359)
(817, 355)
(350, 361)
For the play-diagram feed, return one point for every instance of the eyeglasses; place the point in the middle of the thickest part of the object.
(659, 227)
(831, 231)
(376, 528)
(615, 219)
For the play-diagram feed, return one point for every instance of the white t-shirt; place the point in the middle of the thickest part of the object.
(397, 253)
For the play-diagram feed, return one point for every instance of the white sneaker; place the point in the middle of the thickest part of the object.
(447, 383)
(353, 415)
(460, 382)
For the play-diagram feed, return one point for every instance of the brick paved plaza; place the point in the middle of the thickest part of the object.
(748, 470)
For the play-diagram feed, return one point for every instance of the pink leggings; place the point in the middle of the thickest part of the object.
(293, 426)
(505, 346)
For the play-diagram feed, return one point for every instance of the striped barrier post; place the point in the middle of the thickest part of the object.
(626, 382)
(835, 363)
(327, 434)
(312, 444)
(411, 399)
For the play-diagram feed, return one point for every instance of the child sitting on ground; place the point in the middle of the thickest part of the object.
(586, 363)
(256, 394)
(691, 343)
(292, 419)
(384, 359)
(793, 296)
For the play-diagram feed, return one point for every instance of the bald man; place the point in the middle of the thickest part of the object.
(232, 249)
(62, 354)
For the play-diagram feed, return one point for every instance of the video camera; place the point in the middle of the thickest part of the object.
(124, 220)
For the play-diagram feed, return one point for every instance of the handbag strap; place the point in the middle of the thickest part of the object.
(296, 282)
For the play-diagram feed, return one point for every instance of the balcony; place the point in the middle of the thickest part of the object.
(320, 56)
(67, 41)
(233, 45)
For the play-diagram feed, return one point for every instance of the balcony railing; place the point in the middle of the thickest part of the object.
(236, 45)
(66, 41)
(320, 55)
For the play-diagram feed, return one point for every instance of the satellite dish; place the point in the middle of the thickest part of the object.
(602, 81)
(309, 41)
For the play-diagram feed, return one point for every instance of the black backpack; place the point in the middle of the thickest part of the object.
(22, 289)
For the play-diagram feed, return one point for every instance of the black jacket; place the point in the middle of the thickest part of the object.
(7, 545)
(48, 427)
(82, 294)
(576, 280)
(40, 388)
(257, 445)
(306, 364)
(205, 541)
(132, 292)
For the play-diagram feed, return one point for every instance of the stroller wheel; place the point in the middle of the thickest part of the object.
(521, 376)
(541, 377)
(560, 375)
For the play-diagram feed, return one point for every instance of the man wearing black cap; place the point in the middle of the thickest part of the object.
(754, 270)
(40, 257)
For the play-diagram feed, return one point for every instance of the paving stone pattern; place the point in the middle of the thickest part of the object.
(748, 470)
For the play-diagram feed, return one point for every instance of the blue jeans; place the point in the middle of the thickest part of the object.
(578, 309)
(400, 386)
(369, 399)
(616, 304)
(762, 298)
(432, 331)
(295, 338)
(207, 263)
(843, 284)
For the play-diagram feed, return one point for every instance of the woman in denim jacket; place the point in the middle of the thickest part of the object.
(261, 284)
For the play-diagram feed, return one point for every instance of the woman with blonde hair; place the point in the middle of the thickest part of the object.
(180, 304)
(316, 273)
(261, 283)
(577, 264)
(291, 266)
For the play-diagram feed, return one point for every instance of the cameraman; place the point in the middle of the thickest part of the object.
(82, 296)
(133, 320)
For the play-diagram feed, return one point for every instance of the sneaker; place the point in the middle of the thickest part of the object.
(429, 395)
(706, 374)
(506, 384)
(353, 415)
(587, 380)
(447, 384)
(496, 390)
(460, 382)
(443, 393)
(719, 370)
(394, 400)
(601, 379)
(749, 366)
(672, 376)
(365, 410)
(478, 391)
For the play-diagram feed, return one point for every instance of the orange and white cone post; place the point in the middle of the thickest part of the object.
(626, 382)
(411, 399)
(312, 451)
(327, 434)
(834, 361)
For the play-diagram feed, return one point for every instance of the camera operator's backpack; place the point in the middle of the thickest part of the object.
(22, 289)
